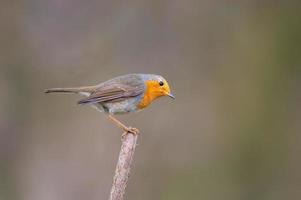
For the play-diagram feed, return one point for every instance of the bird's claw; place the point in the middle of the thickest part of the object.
(131, 130)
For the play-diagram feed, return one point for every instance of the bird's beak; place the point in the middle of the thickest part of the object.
(171, 95)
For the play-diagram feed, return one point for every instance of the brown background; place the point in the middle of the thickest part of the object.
(233, 131)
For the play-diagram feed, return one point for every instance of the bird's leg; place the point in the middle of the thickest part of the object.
(126, 129)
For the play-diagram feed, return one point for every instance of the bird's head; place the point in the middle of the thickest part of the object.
(156, 86)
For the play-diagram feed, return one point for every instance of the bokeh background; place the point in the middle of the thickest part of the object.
(233, 131)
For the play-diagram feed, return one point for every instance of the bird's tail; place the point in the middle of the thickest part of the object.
(71, 90)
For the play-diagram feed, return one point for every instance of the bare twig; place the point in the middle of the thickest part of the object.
(123, 167)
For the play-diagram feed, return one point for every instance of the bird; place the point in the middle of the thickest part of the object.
(121, 95)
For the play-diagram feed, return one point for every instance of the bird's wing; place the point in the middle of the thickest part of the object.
(113, 93)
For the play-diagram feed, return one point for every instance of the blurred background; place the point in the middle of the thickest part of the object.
(233, 131)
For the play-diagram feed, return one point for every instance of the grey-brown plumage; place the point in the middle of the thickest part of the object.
(118, 95)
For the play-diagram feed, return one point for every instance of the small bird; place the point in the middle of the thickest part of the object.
(122, 94)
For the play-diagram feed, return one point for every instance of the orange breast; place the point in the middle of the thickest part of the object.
(150, 94)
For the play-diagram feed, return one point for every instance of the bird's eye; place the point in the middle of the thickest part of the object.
(161, 83)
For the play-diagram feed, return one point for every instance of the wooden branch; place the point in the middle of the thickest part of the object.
(123, 166)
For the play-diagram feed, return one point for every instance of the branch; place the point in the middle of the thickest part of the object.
(123, 166)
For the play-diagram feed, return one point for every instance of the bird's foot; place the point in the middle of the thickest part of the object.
(129, 130)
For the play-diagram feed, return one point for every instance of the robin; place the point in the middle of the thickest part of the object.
(120, 95)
